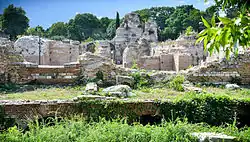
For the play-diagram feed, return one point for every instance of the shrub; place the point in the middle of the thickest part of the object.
(176, 83)
(141, 80)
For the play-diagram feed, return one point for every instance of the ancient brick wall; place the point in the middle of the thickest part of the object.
(47, 74)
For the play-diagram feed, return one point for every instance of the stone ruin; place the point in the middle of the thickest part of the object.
(135, 35)
(135, 42)
(51, 52)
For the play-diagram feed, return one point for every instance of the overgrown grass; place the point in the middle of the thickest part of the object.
(44, 93)
(154, 93)
(117, 131)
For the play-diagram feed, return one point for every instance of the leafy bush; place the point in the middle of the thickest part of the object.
(141, 79)
(176, 83)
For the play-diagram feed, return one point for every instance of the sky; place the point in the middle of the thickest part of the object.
(47, 12)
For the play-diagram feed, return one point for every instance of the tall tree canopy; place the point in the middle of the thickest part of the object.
(58, 29)
(1, 19)
(83, 26)
(172, 21)
(117, 19)
(14, 21)
(111, 30)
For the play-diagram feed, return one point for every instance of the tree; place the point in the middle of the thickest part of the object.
(1, 21)
(58, 29)
(228, 34)
(183, 17)
(111, 29)
(117, 19)
(83, 26)
(104, 23)
(38, 30)
(14, 21)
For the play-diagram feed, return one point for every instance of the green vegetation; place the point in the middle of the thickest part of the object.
(40, 93)
(117, 130)
(117, 20)
(229, 33)
(177, 83)
(14, 21)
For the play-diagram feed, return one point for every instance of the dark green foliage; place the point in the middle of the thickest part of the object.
(83, 26)
(99, 75)
(14, 21)
(117, 20)
(105, 21)
(1, 20)
(182, 17)
(58, 29)
(172, 21)
(209, 109)
(8, 87)
(111, 30)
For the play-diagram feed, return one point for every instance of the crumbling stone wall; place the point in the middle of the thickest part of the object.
(129, 34)
(29, 72)
(51, 52)
(236, 70)
(7, 56)
(149, 62)
(134, 51)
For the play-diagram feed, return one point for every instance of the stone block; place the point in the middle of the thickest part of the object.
(213, 137)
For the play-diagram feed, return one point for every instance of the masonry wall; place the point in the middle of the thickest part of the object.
(185, 61)
(149, 62)
(60, 53)
(51, 52)
(167, 62)
(235, 70)
(47, 74)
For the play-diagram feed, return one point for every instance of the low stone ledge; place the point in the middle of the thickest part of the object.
(213, 137)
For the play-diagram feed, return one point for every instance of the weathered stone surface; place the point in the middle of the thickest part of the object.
(125, 80)
(118, 91)
(213, 137)
(134, 51)
(235, 70)
(51, 52)
(232, 86)
(91, 87)
(150, 31)
(104, 48)
(92, 64)
(8, 72)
